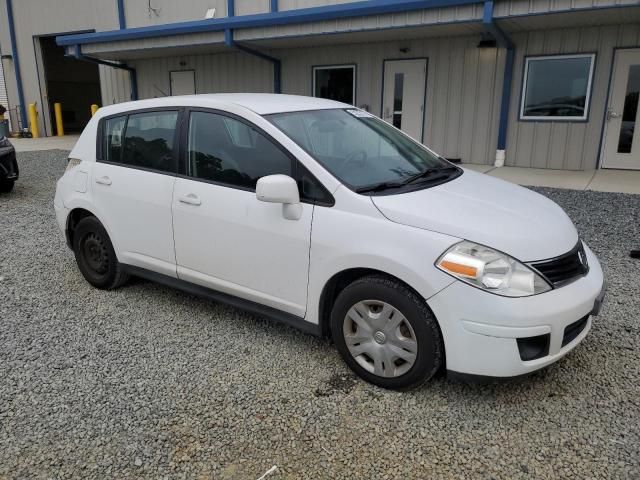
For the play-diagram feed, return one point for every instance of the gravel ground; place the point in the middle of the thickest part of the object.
(147, 382)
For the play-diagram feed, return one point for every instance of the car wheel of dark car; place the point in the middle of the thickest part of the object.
(6, 186)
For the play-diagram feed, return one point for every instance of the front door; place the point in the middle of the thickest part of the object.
(226, 239)
(622, 135)
(404, 94)
(183, 82)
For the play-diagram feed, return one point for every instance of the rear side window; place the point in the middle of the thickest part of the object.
(223, 149)
(144, 140)
(112, 138)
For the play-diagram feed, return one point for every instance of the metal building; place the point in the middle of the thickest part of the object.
(539, 83)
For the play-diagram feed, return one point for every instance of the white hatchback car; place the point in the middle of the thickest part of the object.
(327, 218)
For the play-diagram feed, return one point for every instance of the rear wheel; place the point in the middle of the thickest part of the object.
(6, 186)
(386, 333)
(95, 255)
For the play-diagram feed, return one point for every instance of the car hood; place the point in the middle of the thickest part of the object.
(486, 210)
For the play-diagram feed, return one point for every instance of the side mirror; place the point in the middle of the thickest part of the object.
(281, 189)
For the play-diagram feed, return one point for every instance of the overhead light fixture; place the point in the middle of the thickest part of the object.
(487, 41)
(211, 13)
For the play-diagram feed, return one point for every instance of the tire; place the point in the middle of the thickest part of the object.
(6, 186)
(402, 348)
(95, 255)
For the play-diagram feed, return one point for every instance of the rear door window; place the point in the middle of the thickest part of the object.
(144, 140)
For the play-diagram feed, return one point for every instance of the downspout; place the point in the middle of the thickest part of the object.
(78, 55)
(230, 42)
(504, 41)
(133, 77)
(16, 63)
(274, 6)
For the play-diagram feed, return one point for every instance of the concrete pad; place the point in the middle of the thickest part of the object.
(44, 143)
(477, 168)
(622, 181)
(542, 177)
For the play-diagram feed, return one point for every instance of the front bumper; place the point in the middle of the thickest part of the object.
(9, 170)
(480, 329)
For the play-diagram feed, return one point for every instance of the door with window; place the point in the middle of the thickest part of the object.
(133, 182)
(403, 95)
(226, 239)
(622, 132)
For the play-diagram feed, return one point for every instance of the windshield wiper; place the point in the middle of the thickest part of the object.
(378, 187)
(429, 174)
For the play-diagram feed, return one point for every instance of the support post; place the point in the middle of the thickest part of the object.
(33, 121)
(16, 61)
(57, 109)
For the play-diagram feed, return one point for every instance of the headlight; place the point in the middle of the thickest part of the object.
(490, 270)
(72, 163)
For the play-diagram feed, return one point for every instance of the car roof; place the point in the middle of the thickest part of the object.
(260, 103)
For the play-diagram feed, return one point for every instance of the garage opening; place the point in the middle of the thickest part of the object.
(73, 83)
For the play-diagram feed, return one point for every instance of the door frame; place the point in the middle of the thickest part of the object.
(41, 76)
(426, 83)
(603, 130)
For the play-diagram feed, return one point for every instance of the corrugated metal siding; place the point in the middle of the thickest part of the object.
(114, 85)
(4, 99)
(249, 7)
(407, 19)
(138, 13)
(523, 7)
(568, 145)
(227, 72)
(463, 87)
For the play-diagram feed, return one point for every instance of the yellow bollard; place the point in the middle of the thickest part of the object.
(94, 109)
(57, 108)
(33, 121)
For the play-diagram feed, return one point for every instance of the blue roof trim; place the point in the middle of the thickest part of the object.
(302, 15)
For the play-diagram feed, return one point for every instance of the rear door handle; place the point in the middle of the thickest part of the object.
(190, 199)
(103, 180)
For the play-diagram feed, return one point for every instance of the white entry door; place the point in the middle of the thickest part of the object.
(403, 95)
(622, 132)
(183, 82)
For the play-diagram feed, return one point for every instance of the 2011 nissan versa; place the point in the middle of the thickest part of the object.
(325, 217)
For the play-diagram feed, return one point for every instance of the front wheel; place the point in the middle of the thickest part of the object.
(386, 333)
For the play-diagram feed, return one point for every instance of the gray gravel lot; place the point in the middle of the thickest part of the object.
(149, 382)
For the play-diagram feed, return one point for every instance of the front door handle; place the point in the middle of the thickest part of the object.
(190, 199)
(103, 180)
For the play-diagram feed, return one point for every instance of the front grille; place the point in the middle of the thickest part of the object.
(573, 330)
(565, 268)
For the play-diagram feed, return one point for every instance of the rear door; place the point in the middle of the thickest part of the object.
(133, 182)
(226, 239)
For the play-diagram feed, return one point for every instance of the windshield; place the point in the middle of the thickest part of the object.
(362, 151)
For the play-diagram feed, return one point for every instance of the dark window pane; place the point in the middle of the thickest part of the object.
(223, 149)
(148, 141)
(335, 84)
(112, 138)
(557, 87)
(630, 110)
(310, 188)
(398, 94)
